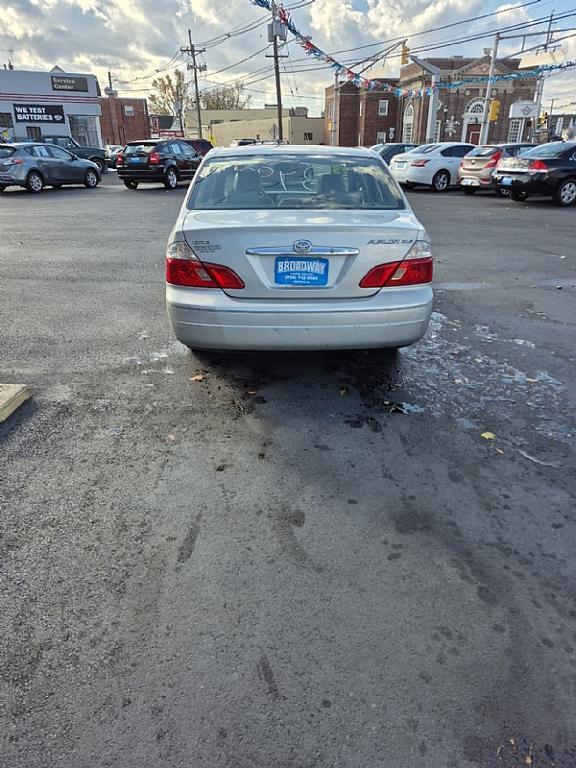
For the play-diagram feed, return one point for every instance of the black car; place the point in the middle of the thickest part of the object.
(549, 169)
(94, 154)
(388, 151)
(167, 161)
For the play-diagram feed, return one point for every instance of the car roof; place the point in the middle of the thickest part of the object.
(292, 149)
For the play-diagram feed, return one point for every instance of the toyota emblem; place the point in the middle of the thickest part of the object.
(302, 246)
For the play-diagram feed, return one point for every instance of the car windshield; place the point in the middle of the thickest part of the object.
(483, 152)
(294, 182)
(6, 152)
(556, 149)
(133, 149)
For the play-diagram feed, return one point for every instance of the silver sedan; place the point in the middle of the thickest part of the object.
(297, 248)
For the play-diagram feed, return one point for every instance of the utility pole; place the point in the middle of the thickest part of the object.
(192, 51)
(485, 124)
(277, 30)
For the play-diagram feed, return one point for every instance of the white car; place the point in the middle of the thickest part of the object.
(297, 248)
(435, 165)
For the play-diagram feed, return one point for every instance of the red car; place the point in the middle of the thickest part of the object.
(201, 146)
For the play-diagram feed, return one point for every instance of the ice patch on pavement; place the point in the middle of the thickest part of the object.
(474, 387)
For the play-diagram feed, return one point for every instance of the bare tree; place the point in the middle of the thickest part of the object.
(169, 93)
(225, 97)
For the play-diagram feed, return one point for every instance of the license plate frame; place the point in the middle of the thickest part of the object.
(301, 271)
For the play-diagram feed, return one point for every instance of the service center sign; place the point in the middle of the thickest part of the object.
(38, 113)
(66, 83)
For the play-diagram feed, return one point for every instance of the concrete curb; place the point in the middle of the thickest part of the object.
(11, 397)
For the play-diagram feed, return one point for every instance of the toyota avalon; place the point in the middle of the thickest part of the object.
(297, 248)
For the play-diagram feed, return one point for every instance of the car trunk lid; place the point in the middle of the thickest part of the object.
(313, 254)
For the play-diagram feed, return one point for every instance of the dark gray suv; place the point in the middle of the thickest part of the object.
(35, 166)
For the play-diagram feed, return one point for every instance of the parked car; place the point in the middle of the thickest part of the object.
(95, 154)
(388, 151)
(201, 146)
(242, 142)
(549, 169)
(167, 161)
(477, 167)
(297, 248)
(435, 165)
(112, 152)
(35, 166)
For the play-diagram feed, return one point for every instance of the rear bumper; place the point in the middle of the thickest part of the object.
(141, 175)
(537, 183)
(475, 181)
(412, 175)
(209, 319)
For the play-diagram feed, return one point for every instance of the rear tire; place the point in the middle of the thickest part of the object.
(91, 180)
(100, 163)
(34, 182)
(130, 184)
(441, 181)
(518, 197)
(502, 192)
(468, 191)
(171, 179)
(565, 193)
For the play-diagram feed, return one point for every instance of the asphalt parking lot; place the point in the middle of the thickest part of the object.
(288, 561)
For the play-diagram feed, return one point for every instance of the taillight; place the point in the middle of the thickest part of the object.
(183, 267)
(419, 163)
(119, 159)
(14, 161)
(154, 158)
(537, 165)
(416, 268)
(493, 160)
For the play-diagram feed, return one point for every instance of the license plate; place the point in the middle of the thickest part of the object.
(289, 270)
(470, 183)
(400, 165)
(137, 159)
(506, 181)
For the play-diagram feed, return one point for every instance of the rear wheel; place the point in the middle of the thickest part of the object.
(468, 191)
(130, 184)
(565, 193)
(441, 181)
(100, 163)
(34, 182)
(502, 192)
(171, 179)
(91, 180)
(519, 197)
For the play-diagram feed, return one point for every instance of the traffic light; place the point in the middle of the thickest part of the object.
(543, 120)
(405, 54)
(494, 110)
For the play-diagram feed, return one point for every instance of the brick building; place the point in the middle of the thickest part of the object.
(358, 117)
(124, 120)
(460, 109)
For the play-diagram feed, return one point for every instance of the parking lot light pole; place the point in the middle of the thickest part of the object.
(485, 123)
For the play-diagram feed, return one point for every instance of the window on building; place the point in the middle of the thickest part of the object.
(83, 129)
(514, 130)
(129, 111)
(408, 124)
(381, 137)
(308, 137)
(33, 132)
(383, 108)
(6, 120)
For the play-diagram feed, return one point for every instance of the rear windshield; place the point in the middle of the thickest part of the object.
(554, 149)
(6, 152)
(424, 149)
(134, 149)
(483, 152)
(294, 182)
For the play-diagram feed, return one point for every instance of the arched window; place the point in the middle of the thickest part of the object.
(475, 107)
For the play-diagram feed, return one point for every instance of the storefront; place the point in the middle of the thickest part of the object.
(34, 105)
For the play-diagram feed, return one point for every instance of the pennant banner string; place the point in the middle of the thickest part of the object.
(379, 85)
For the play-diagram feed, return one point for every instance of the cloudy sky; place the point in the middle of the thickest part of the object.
(135, 38)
